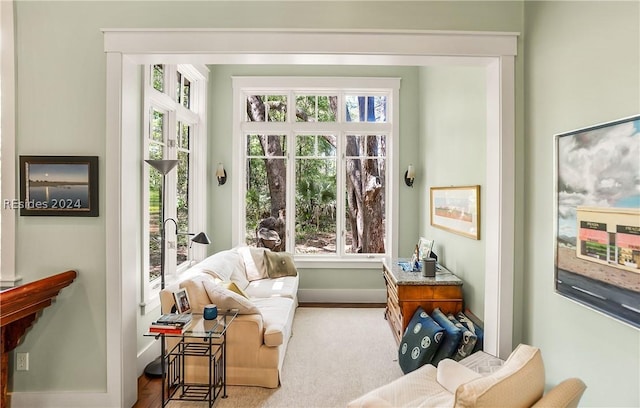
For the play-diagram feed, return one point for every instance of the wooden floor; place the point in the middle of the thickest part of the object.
(148, 392)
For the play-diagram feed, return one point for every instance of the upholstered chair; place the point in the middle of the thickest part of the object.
(518, 383)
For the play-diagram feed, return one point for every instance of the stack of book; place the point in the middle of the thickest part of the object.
(170, 323)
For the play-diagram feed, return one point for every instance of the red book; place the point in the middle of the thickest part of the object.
(165, 330)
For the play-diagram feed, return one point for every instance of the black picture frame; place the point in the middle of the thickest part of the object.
(597, 218)
(59, 186)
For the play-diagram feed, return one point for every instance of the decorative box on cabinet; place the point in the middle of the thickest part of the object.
(408, 290)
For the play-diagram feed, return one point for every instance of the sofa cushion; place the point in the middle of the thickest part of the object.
(254, 262)
(416, 389)
(221, 264)
(420, 341)
(468, 341)
(279, 264)
(452, 337)
(226, 299)
(452, 374)
(198, 296)
(239, 273)
(519, 383)
(277, 317)
(281, 287)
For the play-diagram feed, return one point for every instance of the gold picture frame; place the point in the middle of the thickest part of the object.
(456, 209)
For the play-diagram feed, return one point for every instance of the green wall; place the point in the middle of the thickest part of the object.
(577, 62)
(453, 153)
(582, 68)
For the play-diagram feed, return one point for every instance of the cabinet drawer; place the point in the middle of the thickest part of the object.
(392, 294)
(447, 292)
(394, 316)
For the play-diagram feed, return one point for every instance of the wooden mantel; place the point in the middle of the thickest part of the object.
(19, 307)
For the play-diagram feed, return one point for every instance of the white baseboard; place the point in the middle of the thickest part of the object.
(147, 355)
(342, 295)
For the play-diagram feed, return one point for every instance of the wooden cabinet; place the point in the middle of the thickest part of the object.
(408, 290)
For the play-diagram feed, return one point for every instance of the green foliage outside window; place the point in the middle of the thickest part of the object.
(157, 77)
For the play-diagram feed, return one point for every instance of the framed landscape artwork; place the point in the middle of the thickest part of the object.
(456, 209)
(597, 218)
(59, 185)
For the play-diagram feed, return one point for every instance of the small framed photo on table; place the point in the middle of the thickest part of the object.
(425, 246)
(182, 301)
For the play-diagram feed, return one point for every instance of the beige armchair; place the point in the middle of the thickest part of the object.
(518, 383)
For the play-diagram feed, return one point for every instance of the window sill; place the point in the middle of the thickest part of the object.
(151, 306)
(311, 262)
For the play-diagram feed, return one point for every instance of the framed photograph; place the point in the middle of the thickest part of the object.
(59, 185)
(456, 209)
(424, 247)
(182, 301)
(597, 218)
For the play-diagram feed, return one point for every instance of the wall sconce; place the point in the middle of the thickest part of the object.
(409, 175)
(221, 174)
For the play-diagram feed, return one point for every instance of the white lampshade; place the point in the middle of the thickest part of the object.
(411, 172)
(220, 170)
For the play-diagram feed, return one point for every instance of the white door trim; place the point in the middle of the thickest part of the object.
(127, 48)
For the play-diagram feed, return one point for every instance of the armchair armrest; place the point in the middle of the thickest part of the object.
(451, 375)
(567, 394)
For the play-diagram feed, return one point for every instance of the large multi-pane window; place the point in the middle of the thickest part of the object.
(174, 129)
(315, 164)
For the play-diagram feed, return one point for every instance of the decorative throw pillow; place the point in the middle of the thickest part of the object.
(254, 262)
(468, 342)
(474, 328)
(227, 299)
(232, 286)
(452, 337)
(420, 341)
(279, 264)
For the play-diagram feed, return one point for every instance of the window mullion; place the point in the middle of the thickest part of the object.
(290, 218)
(171, 196)
(341, 194)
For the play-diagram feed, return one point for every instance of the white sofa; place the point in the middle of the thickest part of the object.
(257, 339)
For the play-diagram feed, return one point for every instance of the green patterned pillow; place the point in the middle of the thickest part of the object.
(279, 264)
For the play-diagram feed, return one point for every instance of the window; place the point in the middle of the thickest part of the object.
(314, 163)
(175, 129)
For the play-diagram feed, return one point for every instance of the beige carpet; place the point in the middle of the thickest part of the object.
(334, 356)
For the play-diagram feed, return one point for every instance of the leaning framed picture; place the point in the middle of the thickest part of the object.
(456, 209)
(182, 301)
(59, 185)
(597, 218)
